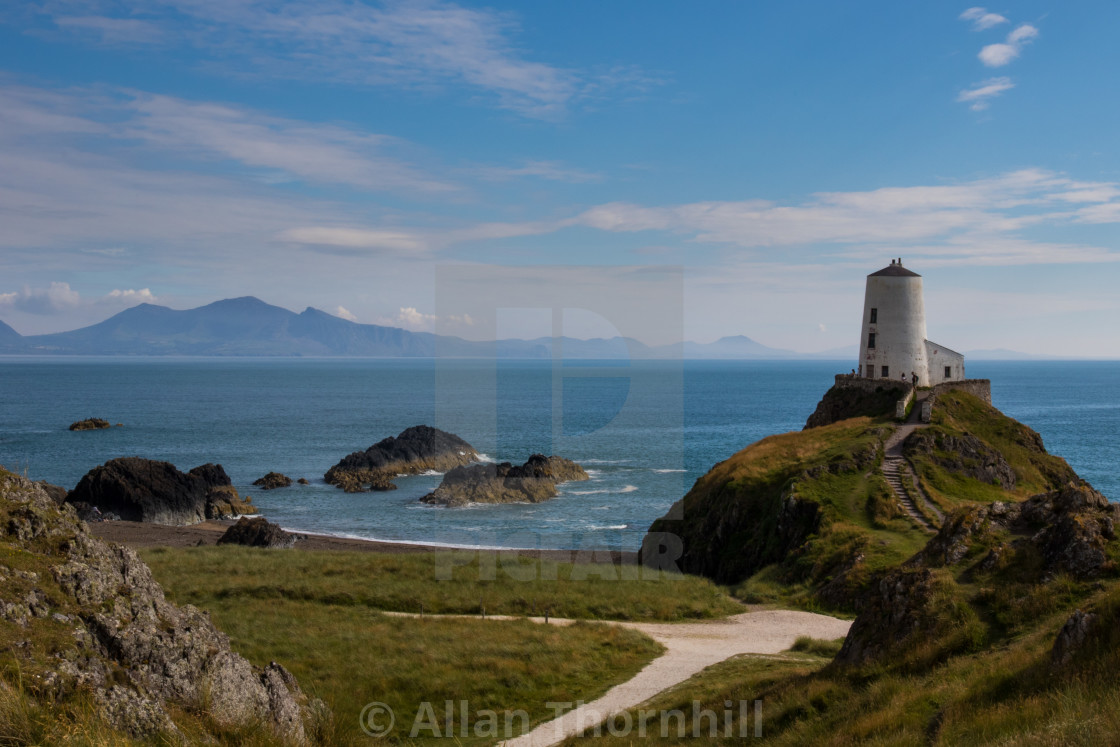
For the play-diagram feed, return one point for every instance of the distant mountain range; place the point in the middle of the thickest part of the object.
(250, 327)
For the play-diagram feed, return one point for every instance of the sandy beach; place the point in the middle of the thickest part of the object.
(137, 534)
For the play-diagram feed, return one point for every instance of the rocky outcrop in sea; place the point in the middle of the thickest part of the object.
(136, 489)
(88, 617)
(90, 424)
(420, 448)
(273, 480)
(532, 482)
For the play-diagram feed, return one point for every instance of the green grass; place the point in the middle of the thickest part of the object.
(438, 583)
(959, 413)
(350, 656)
(320, 615)
(1003, 695)
(817, 647)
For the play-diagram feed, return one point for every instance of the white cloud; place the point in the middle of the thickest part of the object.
(400, 242)
(343, 313)
(316, 153)
(550, 170)
(998, 55)
(113, 31)
(416, 321)
(130, 297)
(982, 19)
(981, 93)
(1022, 34)
(56, 298)
(977, 218)
(427, 46)
(409, 318)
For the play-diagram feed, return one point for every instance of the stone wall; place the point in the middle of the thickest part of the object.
(863, 383)
(981, 388)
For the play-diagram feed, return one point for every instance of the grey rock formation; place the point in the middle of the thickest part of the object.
(273, 480)
(135, 651)
(1072, 637)
(417, 449)
(257, 532)
(90, 424)
(532, 482)
(136, 489)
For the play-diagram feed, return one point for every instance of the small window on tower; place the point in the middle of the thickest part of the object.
(886, 372)
(870, 340)
(948, 372)
(874, 315)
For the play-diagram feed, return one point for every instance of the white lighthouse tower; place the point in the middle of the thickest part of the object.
(894, 344)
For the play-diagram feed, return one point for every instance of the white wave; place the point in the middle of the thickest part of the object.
(419, 543)
(486, 458)
(604, 491)
(435, 473)
(666, 471)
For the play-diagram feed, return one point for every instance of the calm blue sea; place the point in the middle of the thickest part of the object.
(645, 431)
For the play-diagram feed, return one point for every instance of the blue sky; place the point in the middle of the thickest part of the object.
(335, 153)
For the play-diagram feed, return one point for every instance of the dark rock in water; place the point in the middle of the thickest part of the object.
(272, 481)
(139, 659)
(213, 474)
(223, 502)
(136, 489)
(90, 424)
(532, 482)
(303, 481)
(417, 449)
(257, 532)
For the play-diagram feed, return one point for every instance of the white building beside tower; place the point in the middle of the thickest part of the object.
(894, 344)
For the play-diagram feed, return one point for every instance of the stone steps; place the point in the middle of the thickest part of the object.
(894, 469)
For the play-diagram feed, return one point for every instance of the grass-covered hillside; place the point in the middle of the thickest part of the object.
(1004, 629)
(807, 517)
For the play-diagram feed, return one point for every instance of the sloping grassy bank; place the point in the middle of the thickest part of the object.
(321, 615)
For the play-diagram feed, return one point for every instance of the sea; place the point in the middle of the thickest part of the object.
(645, 431)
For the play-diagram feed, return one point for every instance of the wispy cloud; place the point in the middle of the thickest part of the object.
(319, 153)
(955, 223)
(411, 319)
(998, 55)
(352, 238)
(982, 19)
(113, 31)
(426, 45)
(549, 170)
(980, 94)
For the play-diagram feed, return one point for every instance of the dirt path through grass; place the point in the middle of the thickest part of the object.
(689, 648)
